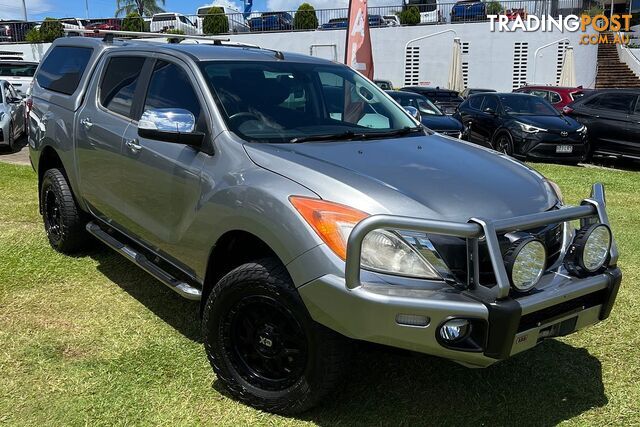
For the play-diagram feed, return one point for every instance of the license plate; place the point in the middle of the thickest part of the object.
(564, 148)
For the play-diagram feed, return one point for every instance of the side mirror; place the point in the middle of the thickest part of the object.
(170, 125)
(413, 111)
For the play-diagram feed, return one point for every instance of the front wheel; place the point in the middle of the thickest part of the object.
(263, 345)
(504, 144)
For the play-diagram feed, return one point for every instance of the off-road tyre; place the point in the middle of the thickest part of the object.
(64, 222)
(319, 363)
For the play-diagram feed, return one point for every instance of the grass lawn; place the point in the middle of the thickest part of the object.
(93, 340)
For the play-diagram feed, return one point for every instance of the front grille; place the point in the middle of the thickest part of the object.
(546, 315)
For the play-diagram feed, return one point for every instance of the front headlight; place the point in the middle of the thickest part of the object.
(529, 128)
(1, 115)
(382, 250)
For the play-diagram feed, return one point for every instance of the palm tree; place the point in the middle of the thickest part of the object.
(143, 7)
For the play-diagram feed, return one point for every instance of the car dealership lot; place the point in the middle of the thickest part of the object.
(92, 340)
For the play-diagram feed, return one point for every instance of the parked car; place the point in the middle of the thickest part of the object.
(391, 20)
(302, 225)
(104, 24)
(522, 126)
(14, 31)
(445, 99)
(469, 11)
(237, 23)
(613, 119)
(472, 91)
(384, 84)
(12, 124)
(272, 21)
(558, 96)
(429, 11)
(161, 22)
(430, 115)
(18, 73)
(343, 23)
(74, 24)
(512, 14)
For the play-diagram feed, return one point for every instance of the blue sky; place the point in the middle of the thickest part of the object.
(39, 9)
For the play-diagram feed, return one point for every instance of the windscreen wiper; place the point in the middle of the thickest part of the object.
(350, 135)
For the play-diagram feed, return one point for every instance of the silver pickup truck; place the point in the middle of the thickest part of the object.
(306, 210)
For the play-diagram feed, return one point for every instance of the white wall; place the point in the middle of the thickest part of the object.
(490, 56)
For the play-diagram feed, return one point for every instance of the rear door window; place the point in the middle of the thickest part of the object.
(119, 83)
(475, 102)
(619, 102)
(63, 68)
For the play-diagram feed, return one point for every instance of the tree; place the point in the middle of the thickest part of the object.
(142, 7)
(133, 22)
(33, 36)
(216, 22)
(51, 29)
(305, 18)
(494, 8)
(410, 16)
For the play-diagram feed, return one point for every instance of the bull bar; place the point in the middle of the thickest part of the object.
(590, 209)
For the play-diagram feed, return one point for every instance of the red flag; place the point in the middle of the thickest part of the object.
(358, 50)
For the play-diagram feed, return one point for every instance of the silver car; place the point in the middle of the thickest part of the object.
(306, 210)
(12, 117)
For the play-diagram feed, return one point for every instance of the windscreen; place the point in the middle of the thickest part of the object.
(284, 101)
(14, 69)
(527, 105)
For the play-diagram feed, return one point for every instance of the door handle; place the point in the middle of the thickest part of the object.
(133, 145)
(87, 123)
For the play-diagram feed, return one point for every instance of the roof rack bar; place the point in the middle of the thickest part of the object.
(145, 35)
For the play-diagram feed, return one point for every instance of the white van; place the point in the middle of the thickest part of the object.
(237, 23)
(161, 22)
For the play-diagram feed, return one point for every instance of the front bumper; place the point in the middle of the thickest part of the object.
(543, 146)
(369, 306)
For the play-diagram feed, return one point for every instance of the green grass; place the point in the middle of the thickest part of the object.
(92, 340)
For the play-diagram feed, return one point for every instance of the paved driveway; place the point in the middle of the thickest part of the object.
(18, 157)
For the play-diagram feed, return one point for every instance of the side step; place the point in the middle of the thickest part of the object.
(182, 288)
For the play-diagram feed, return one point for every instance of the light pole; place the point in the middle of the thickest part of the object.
(24, 9)
(86, 7)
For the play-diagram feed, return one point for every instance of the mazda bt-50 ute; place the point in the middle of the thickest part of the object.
(305, 209)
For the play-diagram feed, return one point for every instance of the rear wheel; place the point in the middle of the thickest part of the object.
(504, 144)
(63, 219)
(263, 345)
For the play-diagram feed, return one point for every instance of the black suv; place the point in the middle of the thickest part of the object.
(524, 126)
(445, 99)
(613, 119)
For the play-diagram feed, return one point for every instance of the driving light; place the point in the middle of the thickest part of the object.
(384, 251)
(455, 330)
(525, 262)
(529, 128)
(590, 249)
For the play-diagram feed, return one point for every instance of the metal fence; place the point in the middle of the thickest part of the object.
(430, 12)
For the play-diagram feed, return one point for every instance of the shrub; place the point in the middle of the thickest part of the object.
(216, 22)
(133, 22)
(594, 10)
(410, 16)
(33, 36)
(305, 18)
(50, 30)
(494, 8)
(174, 31)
